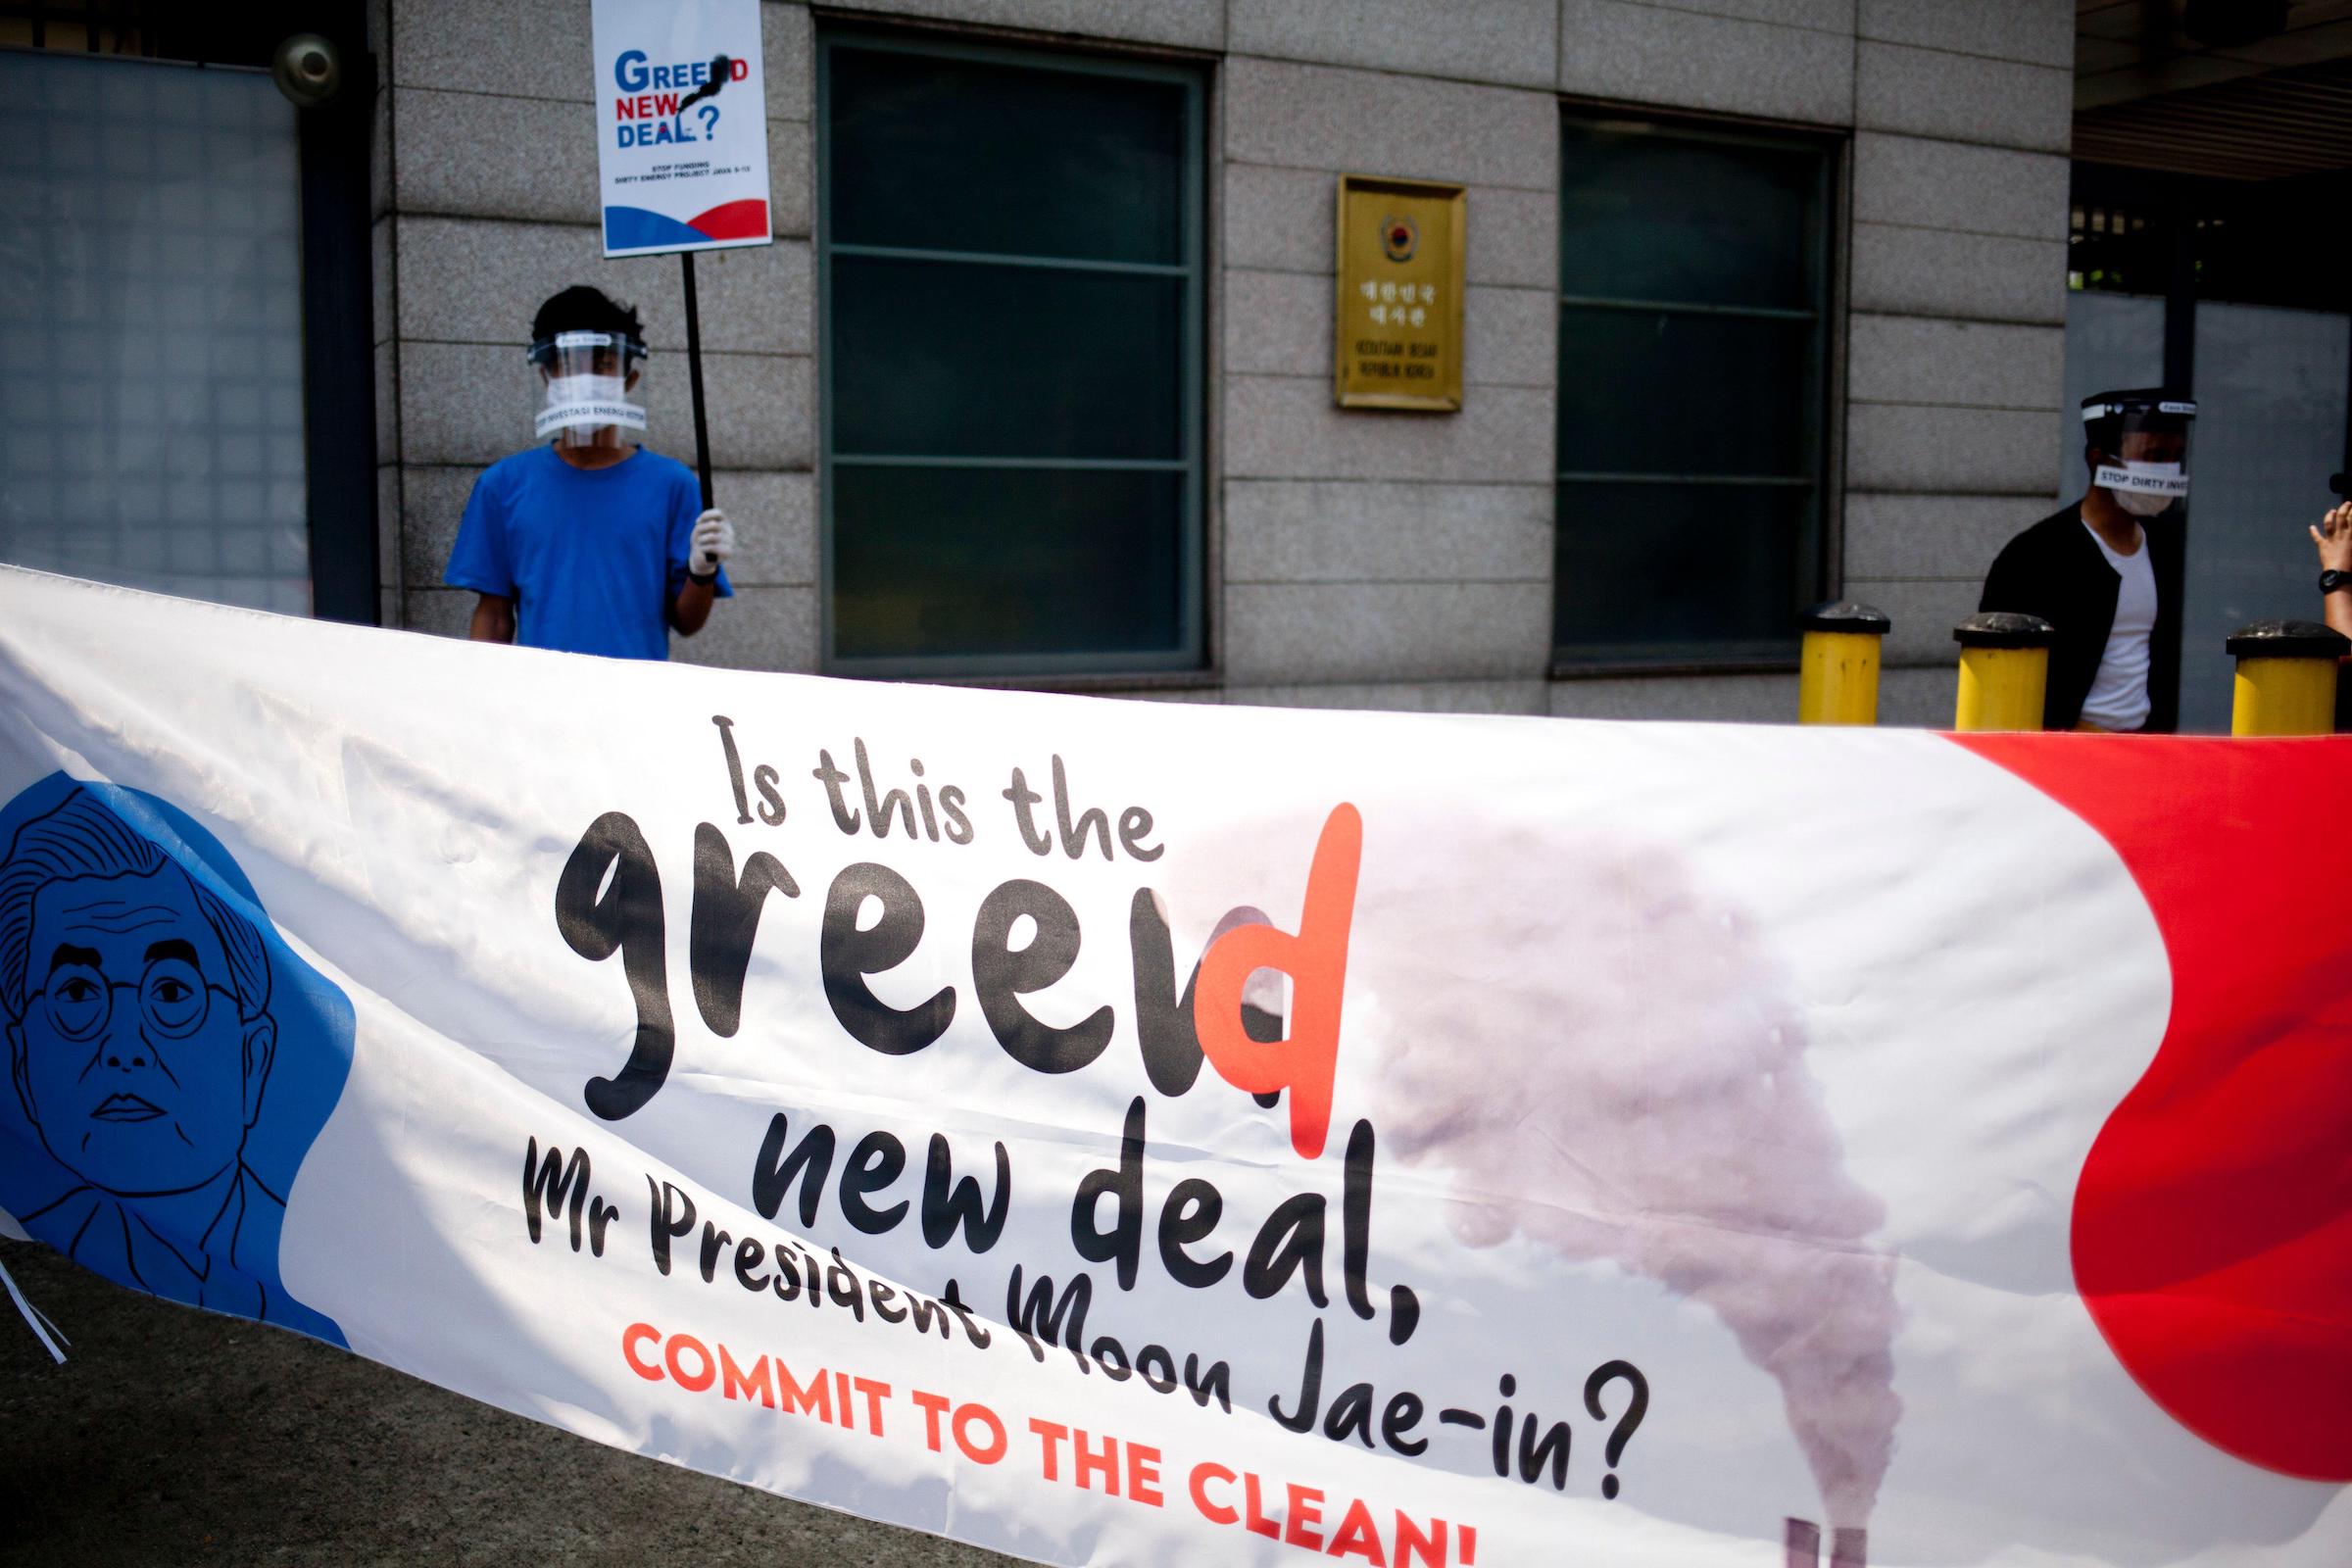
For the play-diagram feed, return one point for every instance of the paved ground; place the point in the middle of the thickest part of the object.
(172, 1437)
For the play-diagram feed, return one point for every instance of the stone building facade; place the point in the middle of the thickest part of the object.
(1352, 558)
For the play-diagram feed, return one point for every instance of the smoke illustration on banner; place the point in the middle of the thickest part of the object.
(1115, 1133)
(1665, 1120)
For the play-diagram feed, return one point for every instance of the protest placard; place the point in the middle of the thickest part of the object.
(681, 125)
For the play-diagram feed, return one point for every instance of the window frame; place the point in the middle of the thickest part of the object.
(1190, 657)
(1819, 552)
(334, 214)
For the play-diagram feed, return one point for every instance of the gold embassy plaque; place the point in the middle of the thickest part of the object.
(1399, 330)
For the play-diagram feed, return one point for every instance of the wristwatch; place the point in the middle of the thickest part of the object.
(2331, 581)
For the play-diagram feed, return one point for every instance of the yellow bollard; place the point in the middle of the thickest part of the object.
(1837, 680)
(2286, 681)
(2004, 670)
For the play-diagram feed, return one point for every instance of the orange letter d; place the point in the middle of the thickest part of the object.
(1316, 961)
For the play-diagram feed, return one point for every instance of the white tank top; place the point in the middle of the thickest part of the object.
(2119, 693)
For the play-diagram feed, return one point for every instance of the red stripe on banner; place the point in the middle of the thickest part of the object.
(2213, 1221)
(743, 219)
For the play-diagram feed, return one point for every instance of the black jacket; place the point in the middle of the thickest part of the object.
(2054, 569)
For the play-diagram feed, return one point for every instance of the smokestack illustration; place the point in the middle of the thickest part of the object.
(1846, 1547)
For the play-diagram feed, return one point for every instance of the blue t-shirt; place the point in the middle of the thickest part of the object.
(591, 557)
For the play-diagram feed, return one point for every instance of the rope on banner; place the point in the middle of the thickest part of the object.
(47, 1332)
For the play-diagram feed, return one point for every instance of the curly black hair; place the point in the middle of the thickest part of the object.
(581, 309)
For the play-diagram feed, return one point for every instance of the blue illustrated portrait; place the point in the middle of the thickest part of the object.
(170, 1058)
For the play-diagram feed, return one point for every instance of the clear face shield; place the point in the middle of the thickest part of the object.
(2147, 470)
(584, 380)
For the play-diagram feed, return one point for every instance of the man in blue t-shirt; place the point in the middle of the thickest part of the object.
(589, 544)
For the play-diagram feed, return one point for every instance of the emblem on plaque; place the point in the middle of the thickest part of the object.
(1400, 237)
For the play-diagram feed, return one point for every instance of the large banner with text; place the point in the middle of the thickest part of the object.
(1134, 1131)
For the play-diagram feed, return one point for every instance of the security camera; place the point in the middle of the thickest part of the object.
(308, 70)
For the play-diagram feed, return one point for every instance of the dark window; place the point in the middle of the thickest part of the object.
(2266, 242)
(1694, 302)
(2112, 249)
(1010, 254)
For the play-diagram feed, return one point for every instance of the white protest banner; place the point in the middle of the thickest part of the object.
(1117, 1132)
(681, 125)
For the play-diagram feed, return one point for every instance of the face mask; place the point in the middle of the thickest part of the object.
(2143, 489)
(587, 402)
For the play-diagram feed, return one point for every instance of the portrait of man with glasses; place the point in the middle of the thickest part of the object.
(147, 1000)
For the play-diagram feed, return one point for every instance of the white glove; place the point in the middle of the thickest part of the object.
(713, 542)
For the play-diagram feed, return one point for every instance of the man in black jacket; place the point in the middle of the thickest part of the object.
(2106, 571)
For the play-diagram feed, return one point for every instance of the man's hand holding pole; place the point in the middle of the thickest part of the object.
(712, 542)
(707, 550)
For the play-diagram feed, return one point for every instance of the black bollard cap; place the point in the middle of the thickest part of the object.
(2287, 639)
(2004, 628)
(1843, 614)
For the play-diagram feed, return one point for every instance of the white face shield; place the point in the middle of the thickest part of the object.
(583, 387)
(2144, 488)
